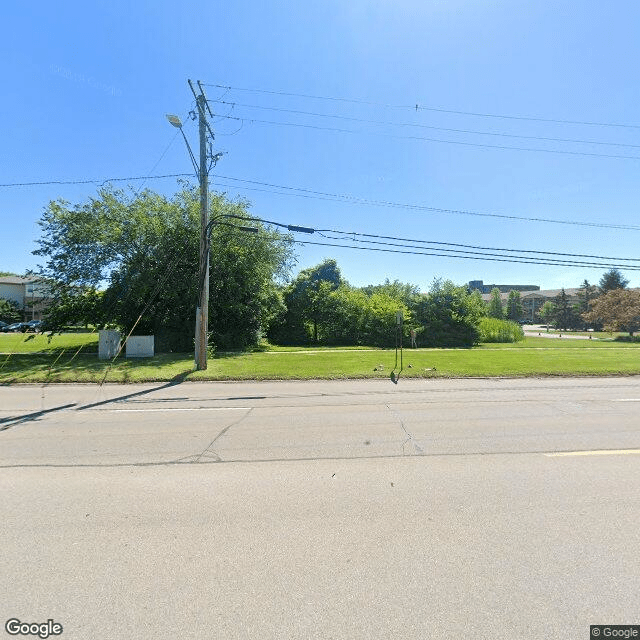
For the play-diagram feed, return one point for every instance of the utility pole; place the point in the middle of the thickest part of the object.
(202, 312)
(202, 173)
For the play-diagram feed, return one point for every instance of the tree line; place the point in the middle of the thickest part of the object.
(129, 260)
(608, 305)
(320, 307)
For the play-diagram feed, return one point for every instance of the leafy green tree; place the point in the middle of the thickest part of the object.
(611, 280)
(514, 306)
(306, 299)
(586, 295)
(566, 316)
(319, 310)
(548, 312)
(450, 315)
(346, 310)
(379, 321)
(617, 310)
(142, 251)
(9, 311)
(495, 308)
(401, 291)
(78, 306)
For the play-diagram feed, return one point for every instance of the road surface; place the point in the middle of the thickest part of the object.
(427, 509)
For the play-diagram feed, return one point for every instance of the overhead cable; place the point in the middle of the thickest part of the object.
(439, 140)
(480, 253)
(100, 181)
(323, 195)
(465, 257)
(425, 126)
(420, 107)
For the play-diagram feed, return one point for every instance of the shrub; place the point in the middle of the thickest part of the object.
(627, 339)
(494, 330)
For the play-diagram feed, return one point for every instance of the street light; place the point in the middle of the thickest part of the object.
(177, 123)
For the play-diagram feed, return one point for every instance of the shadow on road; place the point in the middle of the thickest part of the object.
(179, 379)
(12, 421)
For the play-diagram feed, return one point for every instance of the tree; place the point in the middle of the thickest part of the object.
(617, 310)
(548, 311)
(586, 295)
(514, 306)
(355, 318)
(566, 316)
(306, 299)
(141, 251)
(9, 311)
(401, 291)
(611, 280)
(450, 315)
(495, 309)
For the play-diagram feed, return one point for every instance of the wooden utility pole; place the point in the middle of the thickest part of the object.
(202, 312)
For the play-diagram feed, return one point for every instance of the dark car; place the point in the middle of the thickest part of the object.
(34, 325)
(3, 326)
(17, 326)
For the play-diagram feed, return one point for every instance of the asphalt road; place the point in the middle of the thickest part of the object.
(427, 509)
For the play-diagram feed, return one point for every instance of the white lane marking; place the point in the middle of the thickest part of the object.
(625, 400)
(604, 452)
(179, 409)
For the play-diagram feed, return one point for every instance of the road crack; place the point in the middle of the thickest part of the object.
(208, 452)
(409, 437)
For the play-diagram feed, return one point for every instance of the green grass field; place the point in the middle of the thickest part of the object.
(73, 358)
(44, 343)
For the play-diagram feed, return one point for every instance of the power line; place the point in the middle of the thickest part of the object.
(471, 246)
(100, 181)
(424, 126)
(459, 253)
(419, 107)
(556, 259)
(278, 189)
(465, 257)
(337, 197)
(428, 139)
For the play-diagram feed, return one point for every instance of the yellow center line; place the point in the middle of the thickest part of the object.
(602, 452)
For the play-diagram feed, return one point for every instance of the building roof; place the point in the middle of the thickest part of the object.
(18, 280)
(547, 294)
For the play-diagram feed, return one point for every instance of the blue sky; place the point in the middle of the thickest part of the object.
(87, 86)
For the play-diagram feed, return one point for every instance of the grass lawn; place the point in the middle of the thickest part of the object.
(73, 358)
(44, 343)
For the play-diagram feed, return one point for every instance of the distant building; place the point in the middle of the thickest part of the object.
(532, 300)
(478, 285)
(30, 294)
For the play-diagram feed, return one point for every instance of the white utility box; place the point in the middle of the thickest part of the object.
(140, 347)
(108, 344)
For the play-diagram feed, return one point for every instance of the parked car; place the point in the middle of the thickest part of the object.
(3, 326)
(17, 326)
(34, 325)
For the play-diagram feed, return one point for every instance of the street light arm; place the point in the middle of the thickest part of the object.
(193, 158)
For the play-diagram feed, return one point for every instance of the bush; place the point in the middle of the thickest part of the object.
(627, 339)
(494, 330)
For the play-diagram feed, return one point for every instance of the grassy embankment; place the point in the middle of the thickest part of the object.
(73, 358)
